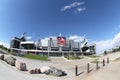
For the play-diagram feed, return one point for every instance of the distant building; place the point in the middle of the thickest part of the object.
(15, 43)
(56, 46)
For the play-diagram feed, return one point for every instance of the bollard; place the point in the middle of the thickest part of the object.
(103, 62)
(88, 67)
(76, 70)
(107, 60)
(97, 66)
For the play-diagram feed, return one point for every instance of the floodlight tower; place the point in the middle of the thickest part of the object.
(71, 45)
(38, 43)
(23, 37)
(50, 44)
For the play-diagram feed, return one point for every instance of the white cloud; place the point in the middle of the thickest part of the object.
(4, 44)
(72, 5)
(76, 38)
(45, 40)
(108, 44)
(116, 40)
(81, 9)
(103, 45)
(29, 37)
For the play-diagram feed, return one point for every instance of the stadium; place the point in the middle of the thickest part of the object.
(59, 46)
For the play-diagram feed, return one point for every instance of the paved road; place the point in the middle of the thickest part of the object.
(67, 66)
(8, 72)
(109, 72)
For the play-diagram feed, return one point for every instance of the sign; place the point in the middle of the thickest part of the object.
(61, 41)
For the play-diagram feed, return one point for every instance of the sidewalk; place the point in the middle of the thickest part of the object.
(109, 72)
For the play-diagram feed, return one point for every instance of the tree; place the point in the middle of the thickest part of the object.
(105, 52)
(4, 48)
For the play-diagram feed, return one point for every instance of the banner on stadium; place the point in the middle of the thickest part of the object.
(61, 41)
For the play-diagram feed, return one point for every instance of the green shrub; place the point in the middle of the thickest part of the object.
(94, 61)
(93, 56)
(105, 52)
(45, 58)
(72, 57)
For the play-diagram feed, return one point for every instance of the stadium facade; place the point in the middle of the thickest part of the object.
(58, 46)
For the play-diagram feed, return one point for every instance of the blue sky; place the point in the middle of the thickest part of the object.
(99, 20)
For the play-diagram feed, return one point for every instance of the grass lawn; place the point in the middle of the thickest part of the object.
(71, 57)
(93, 56)
(95, 61)
(37, 57)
